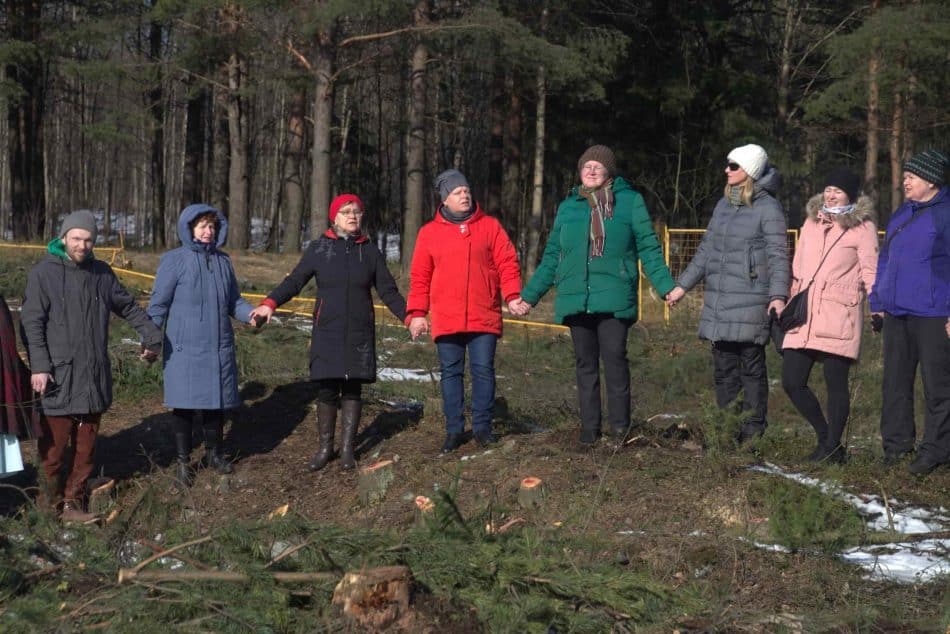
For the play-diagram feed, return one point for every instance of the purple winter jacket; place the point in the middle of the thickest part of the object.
(913, 270)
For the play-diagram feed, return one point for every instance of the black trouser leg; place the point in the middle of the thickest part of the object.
(587, 370)
(796, 368)
(836, 370)
(214, 441)
(900, 369)
(181, 426)
(612, 335)
(935, 374)
(725, 356)
(755, 384)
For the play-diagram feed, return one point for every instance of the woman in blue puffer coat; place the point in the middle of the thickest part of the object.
(195, 295)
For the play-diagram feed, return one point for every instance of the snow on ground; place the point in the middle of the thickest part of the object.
(903, 562)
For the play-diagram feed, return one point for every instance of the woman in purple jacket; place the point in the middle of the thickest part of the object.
(913, 293)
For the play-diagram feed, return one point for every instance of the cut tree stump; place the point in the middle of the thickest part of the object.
(424, 508)
(374, 480)
(530, 493)
(375, 598)
(101, 495)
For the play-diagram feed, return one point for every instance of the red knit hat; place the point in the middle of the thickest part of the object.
(343, 200)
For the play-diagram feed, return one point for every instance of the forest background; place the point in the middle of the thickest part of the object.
(267, 109)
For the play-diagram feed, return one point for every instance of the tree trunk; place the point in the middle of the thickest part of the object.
(156, 107)
(237, 172)
(537, 190)
(193, 178)
(415, 151)
(897, 128)
(25, 126)
(785, 65)
(220, 151)
(874, 123)
(511, 199)
(322, 122)
(294, 162)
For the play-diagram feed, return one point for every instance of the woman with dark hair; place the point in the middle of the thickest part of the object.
(912, 291)
(346, 266)
(743, 264)
(194, 298)
(835, 260)
(601, 232)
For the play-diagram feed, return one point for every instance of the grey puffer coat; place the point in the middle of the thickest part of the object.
(65, 327)
(743, 261)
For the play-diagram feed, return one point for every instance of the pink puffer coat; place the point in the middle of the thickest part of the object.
(836, 298)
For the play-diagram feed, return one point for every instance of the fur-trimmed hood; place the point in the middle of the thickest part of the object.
(863, 210)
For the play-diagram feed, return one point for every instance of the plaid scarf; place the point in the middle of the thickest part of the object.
(601, 201)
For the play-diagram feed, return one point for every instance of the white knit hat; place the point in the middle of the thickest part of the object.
(752, 158)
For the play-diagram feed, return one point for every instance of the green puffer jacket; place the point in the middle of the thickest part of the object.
(607, 284)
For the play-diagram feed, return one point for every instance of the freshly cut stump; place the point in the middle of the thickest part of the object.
(375, 598)
(374, 480)
(531, 492)
(424, 508)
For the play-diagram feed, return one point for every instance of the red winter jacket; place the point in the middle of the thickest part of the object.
(457, 272)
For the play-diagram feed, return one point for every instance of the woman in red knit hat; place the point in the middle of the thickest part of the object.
(345, 264)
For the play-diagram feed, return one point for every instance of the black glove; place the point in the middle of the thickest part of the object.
(259, 320)
(773, 314)
(877, 323)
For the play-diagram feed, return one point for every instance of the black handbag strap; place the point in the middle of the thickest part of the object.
(815, 274)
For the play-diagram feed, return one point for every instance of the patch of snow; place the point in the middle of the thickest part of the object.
(405, 374)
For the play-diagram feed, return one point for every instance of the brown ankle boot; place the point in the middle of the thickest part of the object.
(326, 426)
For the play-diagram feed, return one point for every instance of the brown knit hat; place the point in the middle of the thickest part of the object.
(603, 155)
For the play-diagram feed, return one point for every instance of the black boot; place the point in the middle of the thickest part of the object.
(214, 442)
(326, 425)
(184, 475)
(351, 423)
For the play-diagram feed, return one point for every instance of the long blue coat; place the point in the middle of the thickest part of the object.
(195, 295)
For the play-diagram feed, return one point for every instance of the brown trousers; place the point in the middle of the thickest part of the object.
(61, 431)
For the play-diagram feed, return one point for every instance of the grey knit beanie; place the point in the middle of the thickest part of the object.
(81, 219)
(446, 182)
(603, 155)
(930, 165)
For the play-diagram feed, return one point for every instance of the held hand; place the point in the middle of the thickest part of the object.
(675, 296)
(261, 315)
(149, 355)
(418, 326)
(877, 323)
(40, 381)
(519, 307)
(778, 305)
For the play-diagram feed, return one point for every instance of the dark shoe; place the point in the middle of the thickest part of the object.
(485, 438)
(892, 458)
(750, 431)
(835, 455)
(588, 436)
(351, 422)
(619, 432)
(214, 443)
(72, 512)
(923, 465)
(452, 442)
(326, 426)
(816, 453)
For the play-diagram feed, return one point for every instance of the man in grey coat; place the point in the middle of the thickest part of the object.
(65, 327)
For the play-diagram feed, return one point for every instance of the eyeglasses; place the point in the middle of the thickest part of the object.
(351, 212)
(594, 169)
(733, 167)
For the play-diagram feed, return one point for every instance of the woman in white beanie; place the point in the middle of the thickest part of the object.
(743, 264)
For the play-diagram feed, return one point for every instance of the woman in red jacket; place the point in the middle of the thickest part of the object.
(463, 261)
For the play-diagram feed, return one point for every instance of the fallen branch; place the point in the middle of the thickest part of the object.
(288, 552)
(158, 548)
(165, 553)
(132, 574)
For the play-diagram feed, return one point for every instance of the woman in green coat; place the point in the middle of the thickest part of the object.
(601, 230)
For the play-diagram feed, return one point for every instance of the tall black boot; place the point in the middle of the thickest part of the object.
(351, 423)
(184, 475)
(326, 426)
(214, 441)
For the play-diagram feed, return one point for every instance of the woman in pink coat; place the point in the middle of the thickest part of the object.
(836, 257)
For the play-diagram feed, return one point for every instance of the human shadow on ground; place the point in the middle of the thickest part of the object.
(387, 424)
(254, 429)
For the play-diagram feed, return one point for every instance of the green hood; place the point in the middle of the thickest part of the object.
(57, 247)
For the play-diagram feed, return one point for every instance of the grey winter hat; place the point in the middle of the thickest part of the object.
(930, 165)
(81, 219)
(446, 182)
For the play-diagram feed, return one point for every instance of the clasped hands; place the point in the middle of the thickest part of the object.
(419, 326)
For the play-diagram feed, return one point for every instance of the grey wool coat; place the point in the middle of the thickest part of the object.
(743, 262)
(65, 327)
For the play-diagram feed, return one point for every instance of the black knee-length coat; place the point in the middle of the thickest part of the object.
(343, 343)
